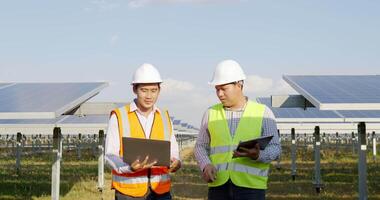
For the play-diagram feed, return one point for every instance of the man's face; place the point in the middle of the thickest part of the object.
(147, 94)
(228, 94)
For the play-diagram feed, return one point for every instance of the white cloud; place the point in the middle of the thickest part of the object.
(189, 101)
(108, 5)
(186, 100)
(282, 87)
(142, 3)
(256, 86)
(102, 5)
(87, 9)
(139, 3)
(114, 39)
(175, 86)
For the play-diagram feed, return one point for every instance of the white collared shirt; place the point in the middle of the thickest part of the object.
(146, 122)
(113, 140)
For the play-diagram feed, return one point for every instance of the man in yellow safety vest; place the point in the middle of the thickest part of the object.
(141, 119)
(232, 174)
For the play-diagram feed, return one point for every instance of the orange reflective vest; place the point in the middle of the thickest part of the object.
(136, 184)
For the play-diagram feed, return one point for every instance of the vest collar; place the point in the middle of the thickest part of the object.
(240, 109)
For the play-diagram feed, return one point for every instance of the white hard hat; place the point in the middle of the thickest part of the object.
(146, 73)
(227, 71)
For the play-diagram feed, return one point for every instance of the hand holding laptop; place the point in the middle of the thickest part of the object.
(138, 166)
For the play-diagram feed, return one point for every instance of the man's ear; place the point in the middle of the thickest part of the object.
(241, 84)
(135, 87)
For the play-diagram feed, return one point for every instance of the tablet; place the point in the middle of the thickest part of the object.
(137, 148)
(263, 142)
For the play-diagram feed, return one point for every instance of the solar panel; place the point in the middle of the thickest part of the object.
(360, 115)
(44, 100)
(27, 122)
(315, 115)
(339, 92)
(184, 124)
(62, 121)
(299, 114)
(4, 85)
(89, 121)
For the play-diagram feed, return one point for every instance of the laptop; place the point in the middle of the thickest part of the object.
(137, 148)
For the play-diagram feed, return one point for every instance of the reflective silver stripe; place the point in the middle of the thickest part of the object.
(125, 121)
(222, 149)
(242, 168)
(160, 178)
(166, 125)
(222, 167)
(250, 170)
(129, 180)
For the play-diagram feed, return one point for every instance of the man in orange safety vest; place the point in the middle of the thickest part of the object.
(141, 119)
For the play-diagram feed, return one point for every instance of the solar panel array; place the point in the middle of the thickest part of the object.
(65, 120)
(339, 92)
(46, 105)
(18, 122)
(299, 113)
(176, 122)
(43, 100)
(2, 85)
(89, 119)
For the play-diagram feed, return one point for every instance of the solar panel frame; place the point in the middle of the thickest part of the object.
(315, 115)
(62, 121)
(33, 100)
(339, 92)
(176, 122)
(5, 85)
(83, 121)
(300, 115)
(23, 123)
(360, 115)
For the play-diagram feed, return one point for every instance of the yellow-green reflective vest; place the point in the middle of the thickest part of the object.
(243, 171)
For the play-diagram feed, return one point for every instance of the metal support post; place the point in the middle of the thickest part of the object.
(101, 161)
(317, 159)
(293, 155)
(56, 168)
(18, 152)
(362, 148)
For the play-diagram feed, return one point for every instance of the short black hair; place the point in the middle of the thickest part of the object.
(241, 82)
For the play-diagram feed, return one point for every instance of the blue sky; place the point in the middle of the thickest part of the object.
(106, 40)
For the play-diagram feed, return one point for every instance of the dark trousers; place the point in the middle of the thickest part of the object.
(149, 196)
(230, 191)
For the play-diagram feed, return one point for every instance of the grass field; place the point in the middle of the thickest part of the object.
(79, 178)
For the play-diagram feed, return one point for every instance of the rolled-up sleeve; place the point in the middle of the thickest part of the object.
(112, 148)
(269, 127)
(202, 145)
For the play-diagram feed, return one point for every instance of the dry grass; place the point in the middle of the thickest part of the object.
(79, 178)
